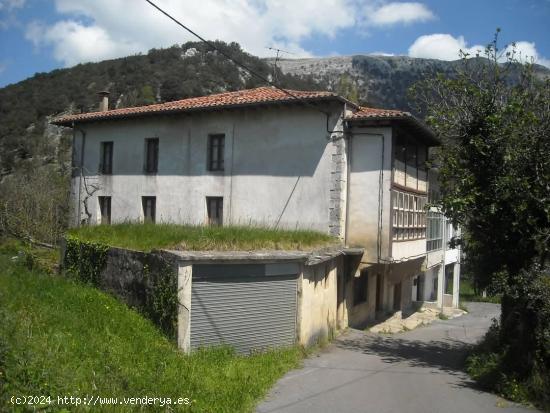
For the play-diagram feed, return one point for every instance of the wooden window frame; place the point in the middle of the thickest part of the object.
(215, 157)
(150, 165)
(144, 201)
(408, 216)
(434, 239)
(106, 162)
(214, 204)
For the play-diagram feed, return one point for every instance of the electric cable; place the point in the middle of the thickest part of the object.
(227, 56)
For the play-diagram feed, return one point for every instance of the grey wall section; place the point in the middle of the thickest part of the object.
(245, 306)
(132, 277)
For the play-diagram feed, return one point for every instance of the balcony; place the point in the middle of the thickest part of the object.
(408, 224)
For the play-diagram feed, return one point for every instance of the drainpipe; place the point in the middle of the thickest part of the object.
(348, 140)
(81, 167)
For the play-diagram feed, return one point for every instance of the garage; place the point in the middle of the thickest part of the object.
(247, 306)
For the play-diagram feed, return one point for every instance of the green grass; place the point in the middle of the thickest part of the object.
(146, 237)
(467, 293)
(39, 258)
(62, 338)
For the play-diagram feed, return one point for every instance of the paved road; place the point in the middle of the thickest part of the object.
(414, 372)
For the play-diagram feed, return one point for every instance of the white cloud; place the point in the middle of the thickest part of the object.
(94, 30)
(446, 47)
(8, 11)
(525, 52)
(11, 4)
(442, 46)
(394, 13)
(386, 54)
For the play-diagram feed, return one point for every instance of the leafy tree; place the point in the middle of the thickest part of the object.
(347, 88)
(147, 95)
(495, 179)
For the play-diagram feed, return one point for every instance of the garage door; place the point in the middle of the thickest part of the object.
(246, 306)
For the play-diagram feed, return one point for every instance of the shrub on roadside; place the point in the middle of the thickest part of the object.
(513, 359)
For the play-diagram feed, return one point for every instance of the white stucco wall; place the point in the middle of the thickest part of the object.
(451, 255)
(369, 168)
(278, 164)
(401, 250)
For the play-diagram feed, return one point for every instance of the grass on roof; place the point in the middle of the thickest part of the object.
(148, 236)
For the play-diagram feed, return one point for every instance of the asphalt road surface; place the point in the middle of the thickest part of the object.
(417, 371)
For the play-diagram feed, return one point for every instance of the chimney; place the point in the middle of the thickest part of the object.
(104, 102)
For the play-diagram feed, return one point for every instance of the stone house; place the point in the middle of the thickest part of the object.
(310, 160)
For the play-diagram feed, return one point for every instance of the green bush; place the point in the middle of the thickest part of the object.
(513, 359)
(84, 260)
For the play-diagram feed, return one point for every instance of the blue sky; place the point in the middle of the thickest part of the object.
(42, 35)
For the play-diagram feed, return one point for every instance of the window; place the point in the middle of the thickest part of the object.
(214, 209)
(435, 231)
(151, 155)
(106, 158)
(409, 216)
(409, 165)
(149, 204)
(105, 209)
(215, 157)
(360, 288)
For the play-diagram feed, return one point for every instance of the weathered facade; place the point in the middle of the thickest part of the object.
(310, 160)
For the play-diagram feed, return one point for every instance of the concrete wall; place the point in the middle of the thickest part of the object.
(318, 302)
(278, 167)
(132, 277)
(369, 191)
(401, 250)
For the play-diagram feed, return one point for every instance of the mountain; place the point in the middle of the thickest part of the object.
(192, 69)
(381, 81)
(35, 156)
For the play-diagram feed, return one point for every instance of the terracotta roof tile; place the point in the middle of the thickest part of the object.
(260, 95)
(364, 114)
(369, 113)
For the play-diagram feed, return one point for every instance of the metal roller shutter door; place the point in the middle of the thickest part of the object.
(245, 306)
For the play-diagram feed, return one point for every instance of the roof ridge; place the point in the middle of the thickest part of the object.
(258, 95)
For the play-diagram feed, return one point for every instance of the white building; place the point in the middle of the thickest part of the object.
(309, 160)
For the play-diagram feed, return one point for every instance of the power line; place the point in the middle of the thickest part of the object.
(242, 65)
(277, 59)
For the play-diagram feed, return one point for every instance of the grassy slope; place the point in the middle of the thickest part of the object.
(150, 236)
(61, 338)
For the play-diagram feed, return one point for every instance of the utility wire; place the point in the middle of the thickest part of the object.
(226, 55)
(277, 59)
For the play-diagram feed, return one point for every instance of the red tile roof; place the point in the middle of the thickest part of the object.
(371, 113)
(372, 116)
(260, 95)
